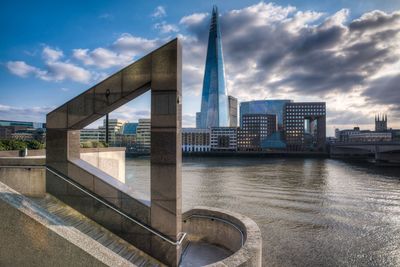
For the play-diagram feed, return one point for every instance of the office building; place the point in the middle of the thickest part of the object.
(233, 111)
(224, 139)
(92, 135)
(304, 125)
(255, 129)
(143, 136)
(196, 140)
(264, 107)
(214, 101)
(30, 134)
(8, 128)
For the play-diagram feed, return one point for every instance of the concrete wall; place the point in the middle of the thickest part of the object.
(16, 153)
(28, 181)
(28, 239)
(221, 227)
(110, 160)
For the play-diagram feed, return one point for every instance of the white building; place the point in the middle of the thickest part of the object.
(96, 135)
(196, 140)
(143, 135)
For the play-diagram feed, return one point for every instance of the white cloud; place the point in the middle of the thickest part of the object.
(101, 57)
(20, 68)
(53, 70)
(59, 71)
(159, 12)
(130, 114)
(193, 18)
(50, 54)
(134, 45)
(164, 27)
(37, 114)
(273, 51)
(106, 16)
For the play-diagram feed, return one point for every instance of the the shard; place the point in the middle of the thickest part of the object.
(214, 102)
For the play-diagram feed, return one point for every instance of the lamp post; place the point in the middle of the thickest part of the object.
(107, 135)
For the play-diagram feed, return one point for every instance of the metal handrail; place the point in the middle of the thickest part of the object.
(221, 220)
(67, 179)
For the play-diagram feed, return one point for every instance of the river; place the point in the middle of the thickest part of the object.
(311, 212)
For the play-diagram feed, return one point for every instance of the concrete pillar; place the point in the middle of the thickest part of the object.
(166, 154)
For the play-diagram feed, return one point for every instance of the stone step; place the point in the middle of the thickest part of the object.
(68, 216)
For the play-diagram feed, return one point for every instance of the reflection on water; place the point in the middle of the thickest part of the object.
(311, 211)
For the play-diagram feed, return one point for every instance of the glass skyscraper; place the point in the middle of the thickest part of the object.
(214, 101)
(274, 106)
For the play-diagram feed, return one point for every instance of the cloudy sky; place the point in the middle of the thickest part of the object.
(344, 52)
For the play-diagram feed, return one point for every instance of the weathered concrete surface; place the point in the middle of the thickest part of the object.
(220, 227)
(23, 161)
(16, 153)
(28, 181)
(110, 160)
(30, 239)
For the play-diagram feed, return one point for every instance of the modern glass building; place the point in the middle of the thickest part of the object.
(264, 107)
(27, 124)
(305, 125)
(130, 128)
(256, 128)
(214, 102)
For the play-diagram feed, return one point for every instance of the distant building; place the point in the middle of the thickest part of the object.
(115, 127)
(196, 140)
(255, 129)
(370, 136)
(395, 134)
(264, 107)
(128, 137)
(95, 135)
(305, 125)
(224, 138)
(8, 128)
(143, 136)
(214, 99)
(129, 128)
(198, 119)
(233, 111)
(381, 123)
(344, 135)
(30, 134)
(25, 124)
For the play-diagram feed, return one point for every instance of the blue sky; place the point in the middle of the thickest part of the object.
(53, 50)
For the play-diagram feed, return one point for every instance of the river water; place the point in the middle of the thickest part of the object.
(311, 212)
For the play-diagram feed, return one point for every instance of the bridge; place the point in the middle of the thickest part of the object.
(381, 152)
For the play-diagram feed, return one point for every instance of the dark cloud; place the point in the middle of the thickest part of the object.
(350, 118)
(385, 90)
(269, 48)
(375, 20)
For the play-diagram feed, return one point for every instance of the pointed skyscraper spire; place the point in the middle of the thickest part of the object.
(214, 101)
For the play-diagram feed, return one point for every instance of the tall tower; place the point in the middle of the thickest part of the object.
(214, 101)
(381, 123)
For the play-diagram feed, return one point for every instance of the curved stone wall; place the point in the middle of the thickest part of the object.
(232, 231)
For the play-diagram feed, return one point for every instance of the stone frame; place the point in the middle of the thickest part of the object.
(160, 72)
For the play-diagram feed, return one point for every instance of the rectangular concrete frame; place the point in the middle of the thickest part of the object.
(160, 71)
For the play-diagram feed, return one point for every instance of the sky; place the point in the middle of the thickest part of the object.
(344, 52)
